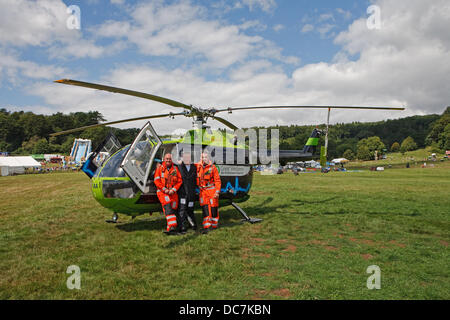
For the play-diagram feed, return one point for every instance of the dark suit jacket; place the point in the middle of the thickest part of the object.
(187, 189)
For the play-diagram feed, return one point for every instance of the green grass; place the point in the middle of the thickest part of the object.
(319, 234)
(397, 159)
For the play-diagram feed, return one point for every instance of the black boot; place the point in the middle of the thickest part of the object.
(181, 219)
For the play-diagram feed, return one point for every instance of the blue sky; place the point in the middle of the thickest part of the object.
(227, 53)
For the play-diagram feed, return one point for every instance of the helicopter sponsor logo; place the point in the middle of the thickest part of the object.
(229, 171)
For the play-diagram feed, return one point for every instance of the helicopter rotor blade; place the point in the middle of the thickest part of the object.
(115, 122)
(225, 122)
(310, 107)
(170, 102)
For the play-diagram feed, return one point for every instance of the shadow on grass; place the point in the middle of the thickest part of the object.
(140, 224)
(228, 216)
(315, 201)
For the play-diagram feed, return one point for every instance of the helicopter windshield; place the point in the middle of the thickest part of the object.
(112, 167)
(138, 160)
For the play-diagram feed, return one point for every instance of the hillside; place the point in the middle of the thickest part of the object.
(26, 132)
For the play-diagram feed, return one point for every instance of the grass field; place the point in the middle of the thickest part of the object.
(319, 234)
(397, 159)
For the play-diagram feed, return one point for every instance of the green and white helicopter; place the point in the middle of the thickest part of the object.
(122, 176)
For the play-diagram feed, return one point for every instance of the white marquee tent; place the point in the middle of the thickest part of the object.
(339, 160)
(17, 165)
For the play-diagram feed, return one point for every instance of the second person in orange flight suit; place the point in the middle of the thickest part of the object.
(208, 181)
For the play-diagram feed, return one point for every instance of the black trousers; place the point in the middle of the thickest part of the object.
(186, 215)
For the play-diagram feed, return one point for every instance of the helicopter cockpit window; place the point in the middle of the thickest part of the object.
(139, 158)
(103, 152)
(112, 167)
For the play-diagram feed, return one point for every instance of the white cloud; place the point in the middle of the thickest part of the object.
(32, 23)
(325, 17)
(253, 24)
(44, 24)
(307, 28)
(406, 62)
(278, 27)
(325, 29)
(346, 14)
(265, 5)
(184, 29)
(15, 70)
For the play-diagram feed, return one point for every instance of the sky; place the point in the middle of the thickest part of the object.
(231, 53)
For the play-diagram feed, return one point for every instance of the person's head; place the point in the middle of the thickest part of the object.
(205, 158)
(187, 157)
(168, 159)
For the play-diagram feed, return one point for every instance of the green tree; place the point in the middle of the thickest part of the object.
(41, 146)
(395, 147)
(364, 153)
(348, 154)
(372, 144)
(408, 145)
(436, 135)
(444, 138)
(28, 146)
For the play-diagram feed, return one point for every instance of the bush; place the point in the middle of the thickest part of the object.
(348, 154)
(395, 147)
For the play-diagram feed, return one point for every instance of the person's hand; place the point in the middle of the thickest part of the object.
(216, 195)
(166, 191)
(171, 192)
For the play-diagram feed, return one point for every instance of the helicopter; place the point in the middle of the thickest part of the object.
(122, 176)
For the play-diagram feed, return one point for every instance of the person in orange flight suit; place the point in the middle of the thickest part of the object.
(168, 180)
(208, 181)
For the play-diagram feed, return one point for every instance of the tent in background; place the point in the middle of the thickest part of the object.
(340, 160)
(17, 165)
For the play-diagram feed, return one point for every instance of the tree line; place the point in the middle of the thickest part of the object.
(360, 140)
(27, 133)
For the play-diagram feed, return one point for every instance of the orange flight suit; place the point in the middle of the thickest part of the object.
(208, 181)
(168, 179)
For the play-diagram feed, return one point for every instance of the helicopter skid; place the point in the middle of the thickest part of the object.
(114, 219)
(252, 220)
(246, 217)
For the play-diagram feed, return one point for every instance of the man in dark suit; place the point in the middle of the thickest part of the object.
(186, 193)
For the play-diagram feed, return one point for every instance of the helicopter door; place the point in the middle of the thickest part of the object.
(103, 151)
(139, 158)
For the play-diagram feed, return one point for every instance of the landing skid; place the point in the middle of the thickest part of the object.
(246, 217)
(114, 219)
